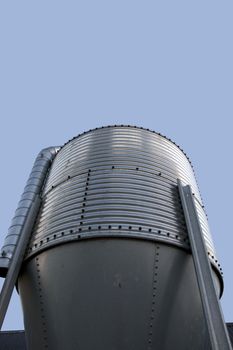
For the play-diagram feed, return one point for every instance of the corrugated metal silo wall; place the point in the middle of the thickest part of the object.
(109, 263)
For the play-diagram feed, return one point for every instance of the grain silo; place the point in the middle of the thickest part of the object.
(108, 262)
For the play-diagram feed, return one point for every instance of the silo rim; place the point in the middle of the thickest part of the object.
(132, 127)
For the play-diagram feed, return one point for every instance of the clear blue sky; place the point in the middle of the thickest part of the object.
(68, 66)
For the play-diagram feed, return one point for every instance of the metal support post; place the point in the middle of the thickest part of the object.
(219, 338)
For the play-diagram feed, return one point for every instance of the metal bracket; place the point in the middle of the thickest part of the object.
(218, 334)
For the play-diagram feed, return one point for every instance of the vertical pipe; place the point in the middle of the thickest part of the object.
(13, 251)
(32, 189)
(16, 261)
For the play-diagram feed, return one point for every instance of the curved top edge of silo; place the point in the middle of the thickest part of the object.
(139, 128)
(132, 127)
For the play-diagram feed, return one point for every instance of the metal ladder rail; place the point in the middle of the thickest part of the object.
(218, 334)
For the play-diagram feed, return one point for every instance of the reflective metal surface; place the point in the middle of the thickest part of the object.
(117, 181)
(31, 190)
(108, 265)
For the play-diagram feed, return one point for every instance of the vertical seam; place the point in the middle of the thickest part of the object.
(153, 300)
(41, 306)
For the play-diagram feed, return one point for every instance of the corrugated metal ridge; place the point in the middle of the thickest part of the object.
(128, 126)
(100, 161)
(140, 128)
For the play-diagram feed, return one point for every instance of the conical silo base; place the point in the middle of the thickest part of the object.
(112, 294)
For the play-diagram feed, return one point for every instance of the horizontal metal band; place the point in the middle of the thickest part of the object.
(103, 232)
